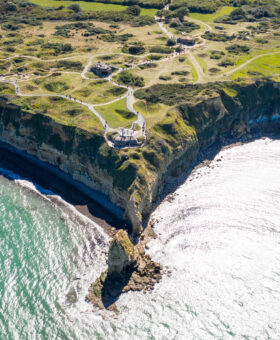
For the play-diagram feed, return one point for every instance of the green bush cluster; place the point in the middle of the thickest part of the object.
(216, 54)
(238, 49)
(216, 36)
(135, 48)
(161, 49)
(128, 78)
(58, 47)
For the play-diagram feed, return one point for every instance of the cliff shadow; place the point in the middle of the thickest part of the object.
(49, 184)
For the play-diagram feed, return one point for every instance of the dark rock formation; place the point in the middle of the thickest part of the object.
(129, 269)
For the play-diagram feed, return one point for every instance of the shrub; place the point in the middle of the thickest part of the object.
(216, 36)
(238, 49)
(226, 63)
(216, 54)
(162, 77)
(75, 8)
(171, 42)
(128, 78)
(136, 48)
(133, 10)
(161, 49)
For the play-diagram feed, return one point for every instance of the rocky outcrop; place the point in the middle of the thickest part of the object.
(129, 269)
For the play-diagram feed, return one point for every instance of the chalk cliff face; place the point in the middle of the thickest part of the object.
(132, 178)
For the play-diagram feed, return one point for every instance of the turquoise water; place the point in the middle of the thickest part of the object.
(43, 251)
(219, 236)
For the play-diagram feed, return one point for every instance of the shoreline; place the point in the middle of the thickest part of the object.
(268, 129)
(28, 167)
(87, 206)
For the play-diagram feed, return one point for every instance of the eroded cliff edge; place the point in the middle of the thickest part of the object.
(132, 178)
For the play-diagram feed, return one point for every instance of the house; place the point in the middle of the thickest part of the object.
(101, 69)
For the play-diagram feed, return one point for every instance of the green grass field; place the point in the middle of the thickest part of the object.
(193, 71)
(263, 66)
(87, 6)
(117, 114)
(226, 10)
(92, 6)
(62, 111)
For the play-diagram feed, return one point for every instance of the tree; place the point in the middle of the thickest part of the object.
(181, 12)
(134, 10)
(171, 42)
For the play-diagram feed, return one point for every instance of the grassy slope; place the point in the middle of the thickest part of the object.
(226, 10)
(117, 114)
(266, 66)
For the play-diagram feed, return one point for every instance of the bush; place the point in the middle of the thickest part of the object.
(162, 77)
(171, 42)
(155, 57)
(216, 36)
(238, 49)
(216, 54)
(133, 10)
(136, 48)
(148, 65)
(75, 8)
(128, 78)
(226, 63)
(161, 49)
(58, 47)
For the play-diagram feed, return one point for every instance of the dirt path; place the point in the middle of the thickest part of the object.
(248, 62)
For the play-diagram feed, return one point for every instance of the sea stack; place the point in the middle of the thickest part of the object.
(121, 255)
(129, 269)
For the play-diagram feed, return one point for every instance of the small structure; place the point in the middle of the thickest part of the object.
(219, 27)
(186, 41)
(101, 69)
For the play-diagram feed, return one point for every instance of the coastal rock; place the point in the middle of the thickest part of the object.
(129, 269)
(121, 254)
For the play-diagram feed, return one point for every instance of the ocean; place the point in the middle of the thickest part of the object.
(218, 237)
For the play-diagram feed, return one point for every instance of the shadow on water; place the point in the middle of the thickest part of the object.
(47, 183)
(206, 155)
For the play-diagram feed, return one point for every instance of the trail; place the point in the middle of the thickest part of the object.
(187, 50)
(129, 95)
(248, 62)
(197, 67)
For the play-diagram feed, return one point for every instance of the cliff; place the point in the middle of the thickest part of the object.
(132, 178)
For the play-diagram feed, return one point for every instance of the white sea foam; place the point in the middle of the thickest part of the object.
(220, 238)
